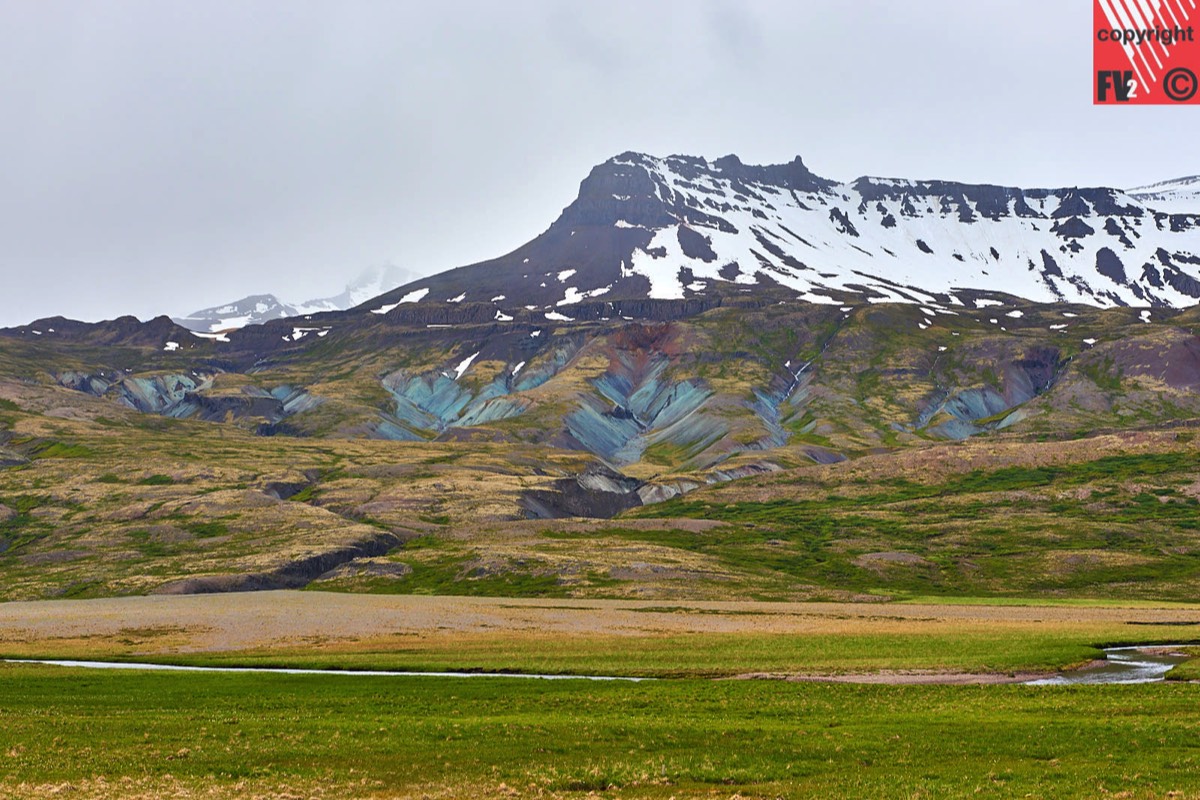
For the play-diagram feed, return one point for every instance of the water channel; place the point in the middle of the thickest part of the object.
(1138, 664)
(1122, 665)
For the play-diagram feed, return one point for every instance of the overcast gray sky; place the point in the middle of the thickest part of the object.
(161, 156)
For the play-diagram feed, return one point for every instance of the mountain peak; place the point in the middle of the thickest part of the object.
(256, 309)
(683, 227)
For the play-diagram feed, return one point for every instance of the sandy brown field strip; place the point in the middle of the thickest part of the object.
(260, 620)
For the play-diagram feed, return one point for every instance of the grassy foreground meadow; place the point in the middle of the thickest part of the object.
(75, 733)
(691, 733)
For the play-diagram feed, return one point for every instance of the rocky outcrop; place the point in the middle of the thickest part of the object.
(598, 492)
(293, 575)
(976, 409)
(368, 568)
(188, 396)
(10, 458)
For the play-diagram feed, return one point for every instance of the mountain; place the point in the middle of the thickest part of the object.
(622, 330)
(873, 388)
(683, 227)
(258, 308)
(1180, 196)
(252, 310)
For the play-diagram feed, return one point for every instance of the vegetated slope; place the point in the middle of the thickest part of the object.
(757, 385)
(1117, 515)
(102, 500)
(388, 455)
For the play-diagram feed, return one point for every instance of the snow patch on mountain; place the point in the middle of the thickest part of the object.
(416, 295)
(464, 365)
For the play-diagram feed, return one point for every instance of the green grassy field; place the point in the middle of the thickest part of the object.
(186, 735)
(1187, 671)
(133, 734)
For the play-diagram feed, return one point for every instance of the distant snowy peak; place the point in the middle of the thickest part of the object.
(371, 283)
(250, 310)
(683, 227)
(259, 308)
(1180, 196)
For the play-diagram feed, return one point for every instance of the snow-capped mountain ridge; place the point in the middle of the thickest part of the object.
(1181, 195)
(259, 308)
(371, 283)
(677, 227)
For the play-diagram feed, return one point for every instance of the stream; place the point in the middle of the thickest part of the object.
(1137, 664)
(1122, 665)
(290, 671)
